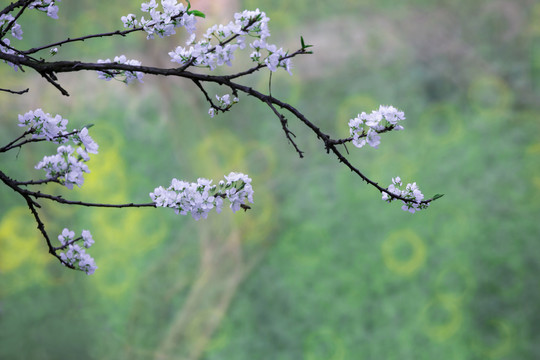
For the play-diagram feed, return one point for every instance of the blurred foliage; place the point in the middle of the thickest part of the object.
(320, 268)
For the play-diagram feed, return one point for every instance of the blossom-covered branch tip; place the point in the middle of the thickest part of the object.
(199, 198)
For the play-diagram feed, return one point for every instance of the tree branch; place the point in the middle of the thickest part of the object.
(329, 143)
(41, 228)
(13, 6)
(39, 195)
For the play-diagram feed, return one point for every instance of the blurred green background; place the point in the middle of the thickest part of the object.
(320, 268)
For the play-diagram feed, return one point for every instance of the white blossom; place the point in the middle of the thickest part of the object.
(121, 75)
(130, 21)
(16, 30)
(87, 237)
(365, 128)
(89, 144)
(411, 192)
(73, 254)
(44, 126)
(199, 198)
(220, 42)
(48, 6)
(373, 139)
(162, 23)
(225, 102)
(64, 166)
(66, 236)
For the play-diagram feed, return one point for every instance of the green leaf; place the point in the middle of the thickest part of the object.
(437, 196)
(304, 46)
(197, 13)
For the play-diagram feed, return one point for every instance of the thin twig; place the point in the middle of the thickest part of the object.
(10, 145)
(205, 93)
(263, 65)
(82, 38)
(15, 92)
(285, 127)
(50, 77)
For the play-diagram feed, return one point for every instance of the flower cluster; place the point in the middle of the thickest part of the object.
(48, 6)
(411, 192)
(275, 57)
(365, 128)
(201, 197)
(121, 75)
(16, 30)
(163, 22)
(68, 164)
(44, 126)
(75, 255)
(224, 104)
(220, 42)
